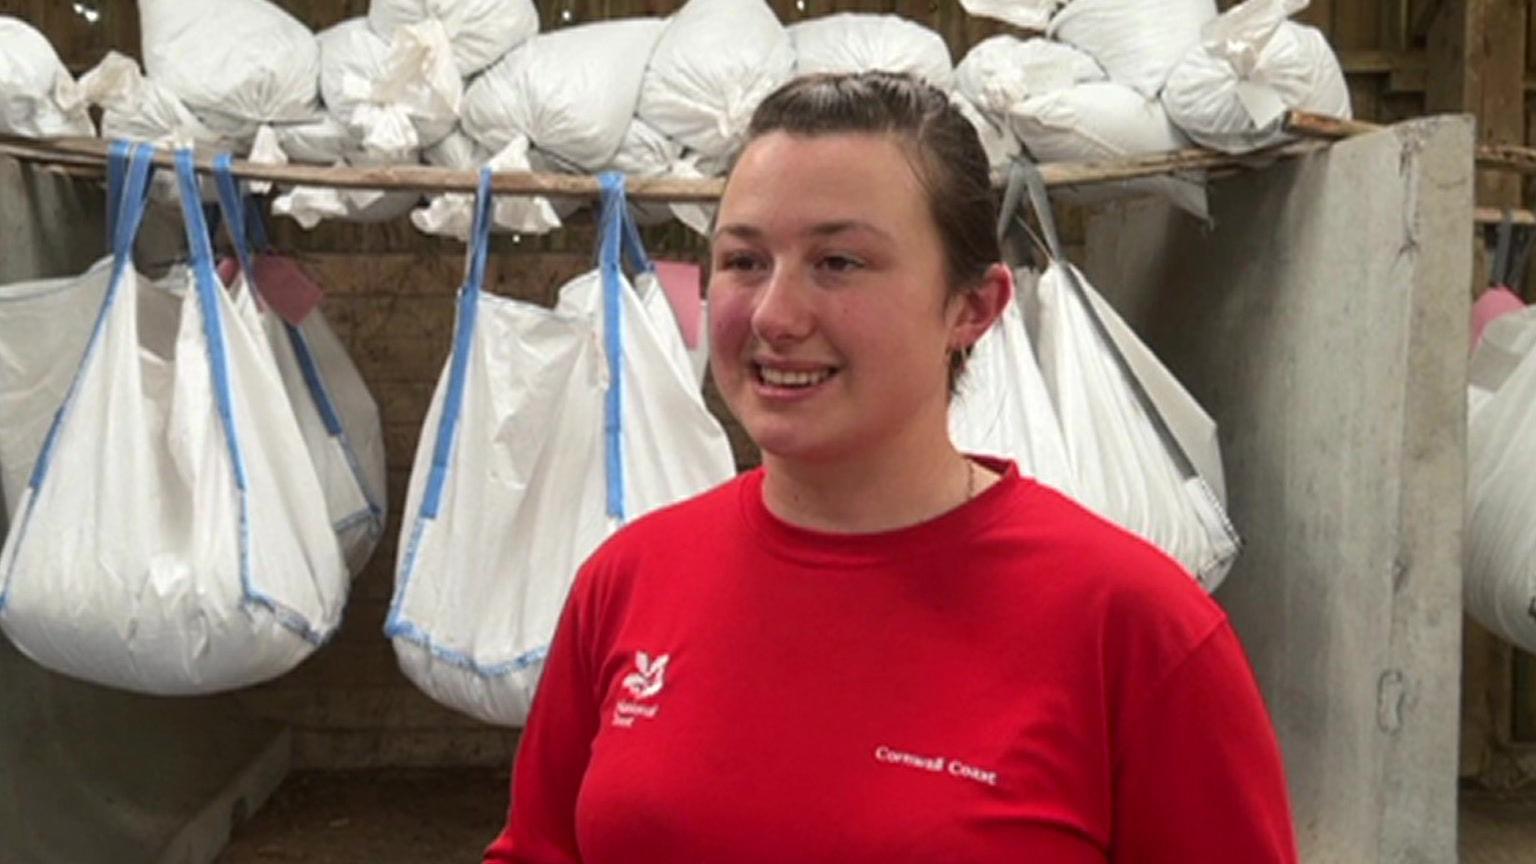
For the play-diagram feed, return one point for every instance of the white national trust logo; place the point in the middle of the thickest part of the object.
(642, 684)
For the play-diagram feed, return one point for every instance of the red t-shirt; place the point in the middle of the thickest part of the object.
(1016, 680)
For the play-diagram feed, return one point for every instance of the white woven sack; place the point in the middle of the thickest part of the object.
(1138, 42)
(38, 97)
(703, 96)
(396, 95)
(236, 63)
(1026, 14)
(1001, 73)
(997, 138)
(135, 108)
(1101, 122)
(480, 31)
(1500, 577)
(571, 92)
(337, 416)
(1003, 408)
(511, 489)
(169, 543)
(1122, 468)
(856, 42)
(1232, 90)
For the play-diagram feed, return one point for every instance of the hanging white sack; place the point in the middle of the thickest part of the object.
(337, 416)
(1232, 90)
(1500, 586)
(1105, 122)
(571, 92)
(1003, 408)
(1001, 73)
(1138, 42)
(168, 542)
(38, 97)
(396, 95)
(855, 42)
(236, 63)
(1136, 440)
(548, 429)
(1025, 14)
(479, 31)
(702, 96)
(311, 205)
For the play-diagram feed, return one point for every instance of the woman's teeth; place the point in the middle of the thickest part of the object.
(784, 378)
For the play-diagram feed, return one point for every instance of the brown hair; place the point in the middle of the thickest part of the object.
(942, 145)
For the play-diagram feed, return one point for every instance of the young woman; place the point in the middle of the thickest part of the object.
(875, 648)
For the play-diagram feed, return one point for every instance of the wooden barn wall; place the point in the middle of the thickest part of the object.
(390, 293)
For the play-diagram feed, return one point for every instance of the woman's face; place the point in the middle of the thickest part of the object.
(829, 316)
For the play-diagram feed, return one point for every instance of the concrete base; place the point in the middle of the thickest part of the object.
(1323, 323)
(90, 775)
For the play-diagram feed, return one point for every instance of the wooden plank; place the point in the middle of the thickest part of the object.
(1319, 14)
(1356, 25)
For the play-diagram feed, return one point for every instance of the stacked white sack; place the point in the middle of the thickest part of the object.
(1105, 122)
(451, 214)
(396, 95)
(701, 94)
(38, 97)
(1500, 586)
(479, 31)
(140, 109)
(310, 205)
(1027, 14)
(1232, 90)
(236, 63)
(1138, 42)
(1001, 73)
(854, 42)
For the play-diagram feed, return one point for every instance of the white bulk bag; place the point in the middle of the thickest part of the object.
(169, 543)
(236, 63)
(855, 42)
(396, 95)
(1003, 408)
(520, 474)
(1001, 73)
(1136, 41)
(1104, 122)
(1231, 91)
(571, 92)
(336, 414)
(703, 96)
(136, 108)
(1500, 586)
(38, 97)
(1026, 14)
(480, 31)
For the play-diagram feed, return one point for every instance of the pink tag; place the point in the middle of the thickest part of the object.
(286, 288)
(227, 269)
(683, 283)
(1493, 303)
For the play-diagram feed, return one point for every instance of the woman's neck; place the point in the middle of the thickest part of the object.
(872, 492)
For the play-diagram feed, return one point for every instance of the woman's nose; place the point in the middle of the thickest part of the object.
(783, 311)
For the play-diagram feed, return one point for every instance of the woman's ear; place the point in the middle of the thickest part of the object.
(980, 307)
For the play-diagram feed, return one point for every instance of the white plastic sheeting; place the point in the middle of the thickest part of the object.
(1501, 449)
(854, 42)
(1138, 42)
(703, 95)
(480, 31)
(516, 480)
(1232, 90)
(168, 541)
(396, 95)
(1101, 122)
(236, 63)
(38, 97)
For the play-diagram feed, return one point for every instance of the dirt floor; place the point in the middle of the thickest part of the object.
(397, 816)
(447, 816)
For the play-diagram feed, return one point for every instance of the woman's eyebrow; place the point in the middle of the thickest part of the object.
(820, 229)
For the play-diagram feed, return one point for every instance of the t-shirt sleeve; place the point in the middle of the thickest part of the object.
(1199, 776)
(553, 754)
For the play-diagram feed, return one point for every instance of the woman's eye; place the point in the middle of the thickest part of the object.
(841, 263)
(738, 261)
